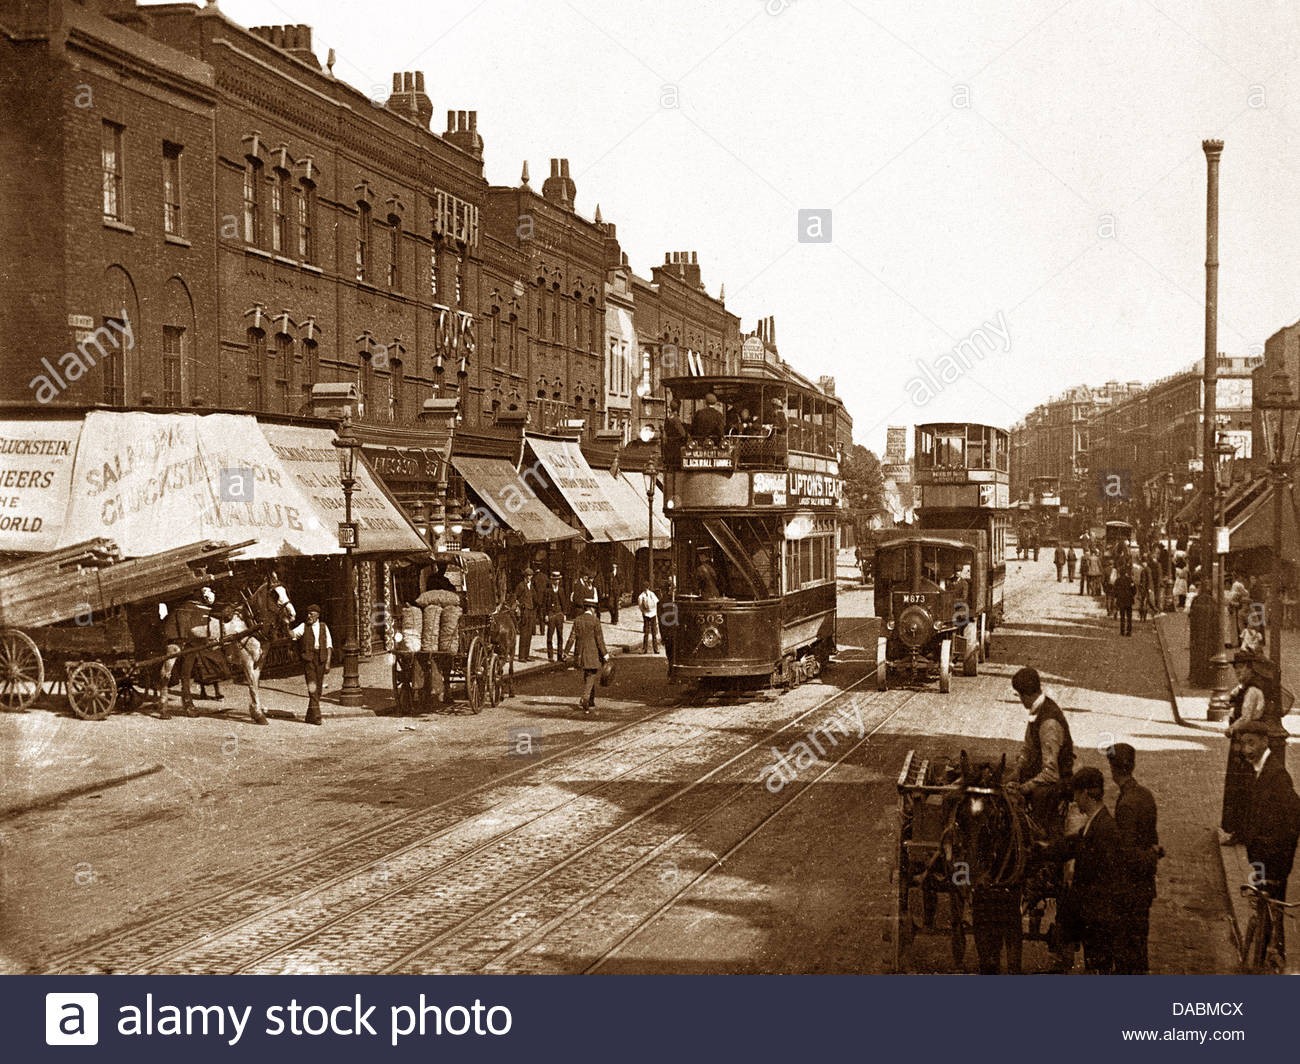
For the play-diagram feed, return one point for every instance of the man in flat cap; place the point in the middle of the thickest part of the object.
(315, 646)
(1273, 817)
(1139, 847)
(1046, 760)
(710, 421)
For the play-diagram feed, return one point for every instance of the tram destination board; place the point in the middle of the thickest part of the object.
(707, 458)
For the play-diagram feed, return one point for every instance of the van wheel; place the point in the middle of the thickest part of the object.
(945, 666)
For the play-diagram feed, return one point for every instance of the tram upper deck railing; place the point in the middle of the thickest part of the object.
(730, 452)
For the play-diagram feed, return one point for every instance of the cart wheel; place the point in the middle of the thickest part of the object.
(22, 672)
(92, 690)
(475, 675)
(945, 666)
(495, 694)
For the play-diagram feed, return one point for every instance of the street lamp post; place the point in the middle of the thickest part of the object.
(348, 445)
(650, 472)
(1274, 406)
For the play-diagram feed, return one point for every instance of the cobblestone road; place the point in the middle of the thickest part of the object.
(644, 841)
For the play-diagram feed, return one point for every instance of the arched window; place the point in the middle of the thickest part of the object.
(256, 368)
(253, 201)
(494, 322)
(397, 386)
(173, 365)
(394, 253)
(280, 211)
(310, 367)
(538, 329)
(363, 241)
(305, 193)
(284, 392)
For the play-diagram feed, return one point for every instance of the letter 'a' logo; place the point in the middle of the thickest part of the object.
(72, 1019)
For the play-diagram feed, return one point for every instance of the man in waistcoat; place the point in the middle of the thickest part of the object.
(315, 646)
(1046, 762)
(526, 606)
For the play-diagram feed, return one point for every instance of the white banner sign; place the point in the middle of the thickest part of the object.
(36, 460)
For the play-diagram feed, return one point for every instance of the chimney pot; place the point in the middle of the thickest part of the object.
(463, 118)
(277, 36)
(451, 121)
(419, 81)
(564, 167)
(555, 167)
(397, 82)
(694, 259)
(304, 36)
(668, 257)
(473, 120)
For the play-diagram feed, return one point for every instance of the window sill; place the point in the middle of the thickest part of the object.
(250, 250)
(179, 241)
(121, 227)
(311, 269)
(283, 261)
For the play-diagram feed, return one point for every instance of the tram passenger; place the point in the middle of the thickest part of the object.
(706, 577)
(777, 418)
(675, 435)
(710, 421)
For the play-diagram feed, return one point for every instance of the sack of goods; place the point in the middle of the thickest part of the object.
(432, 623)
(412, 621)
(449, 631)
(439, 598)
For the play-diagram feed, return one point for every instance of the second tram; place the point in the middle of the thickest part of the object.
(939, 585)
(753, 495)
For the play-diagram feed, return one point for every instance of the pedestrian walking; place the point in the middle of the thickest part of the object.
(1058, 559)
(526, 607)
(1094, 573)
(613, 591)
(1247, 704)
(1146, 602)
(587, 643)
(1180, 585)
(315, 647)
(648, 603)
(1122, 593)
(585, 593)
(1089, 907)
(1140, 850)
(553, 610)
(1071, 561)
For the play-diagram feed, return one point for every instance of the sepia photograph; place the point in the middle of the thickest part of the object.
(759, 487)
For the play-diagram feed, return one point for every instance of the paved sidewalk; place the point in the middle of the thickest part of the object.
(285, 697)
(1191, 705)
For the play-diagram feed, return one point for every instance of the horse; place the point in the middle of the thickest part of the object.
(265, 611)
(994, 837)
(503, 633)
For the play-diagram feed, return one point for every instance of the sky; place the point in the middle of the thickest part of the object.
(1021, 183)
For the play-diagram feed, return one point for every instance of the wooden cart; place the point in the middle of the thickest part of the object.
(928, 858)
(80, 617)
(423, 680)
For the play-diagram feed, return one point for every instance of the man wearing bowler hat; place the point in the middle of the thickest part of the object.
(553, 611)
(526, 605)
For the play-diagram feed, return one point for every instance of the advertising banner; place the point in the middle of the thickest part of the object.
(36, 459)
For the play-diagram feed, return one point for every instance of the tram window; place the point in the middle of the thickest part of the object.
(977, 448)
(950, 449)
(924, 448)
(819, 426)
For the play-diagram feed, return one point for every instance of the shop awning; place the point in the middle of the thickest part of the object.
(1254, 528)
(153, 482)
(511, 499)
(310, 456)
(631, 492)
(588, 497)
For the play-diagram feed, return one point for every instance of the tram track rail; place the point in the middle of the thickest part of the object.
(147, 946)
(437, 903)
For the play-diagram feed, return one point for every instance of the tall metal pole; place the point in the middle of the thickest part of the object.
(1204, 620)
(1278, 474)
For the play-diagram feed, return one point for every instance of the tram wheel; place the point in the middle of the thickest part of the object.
(945, 666)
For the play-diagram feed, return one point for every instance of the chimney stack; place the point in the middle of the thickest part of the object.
(409, 98)
(462, 131)
(295, 40)
(559, 187)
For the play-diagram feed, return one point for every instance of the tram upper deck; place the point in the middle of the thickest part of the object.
(759, 423)
(961, 453)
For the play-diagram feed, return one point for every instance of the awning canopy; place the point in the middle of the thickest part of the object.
(631, 493)
(585, 493)
(1254, 527)
(511, 499)
(153, 482)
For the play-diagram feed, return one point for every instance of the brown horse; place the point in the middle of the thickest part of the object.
(503, 631)
(265, 612)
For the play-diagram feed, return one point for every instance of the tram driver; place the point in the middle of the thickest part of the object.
(706, 577)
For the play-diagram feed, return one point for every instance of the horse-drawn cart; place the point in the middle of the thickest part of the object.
(85, 613)
(445, 636)
(964, 834)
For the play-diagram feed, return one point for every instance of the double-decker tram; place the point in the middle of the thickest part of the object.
(939, 585)
(754, 496)
(1042, 510)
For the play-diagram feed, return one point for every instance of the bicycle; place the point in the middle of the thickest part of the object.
(1262, 949)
